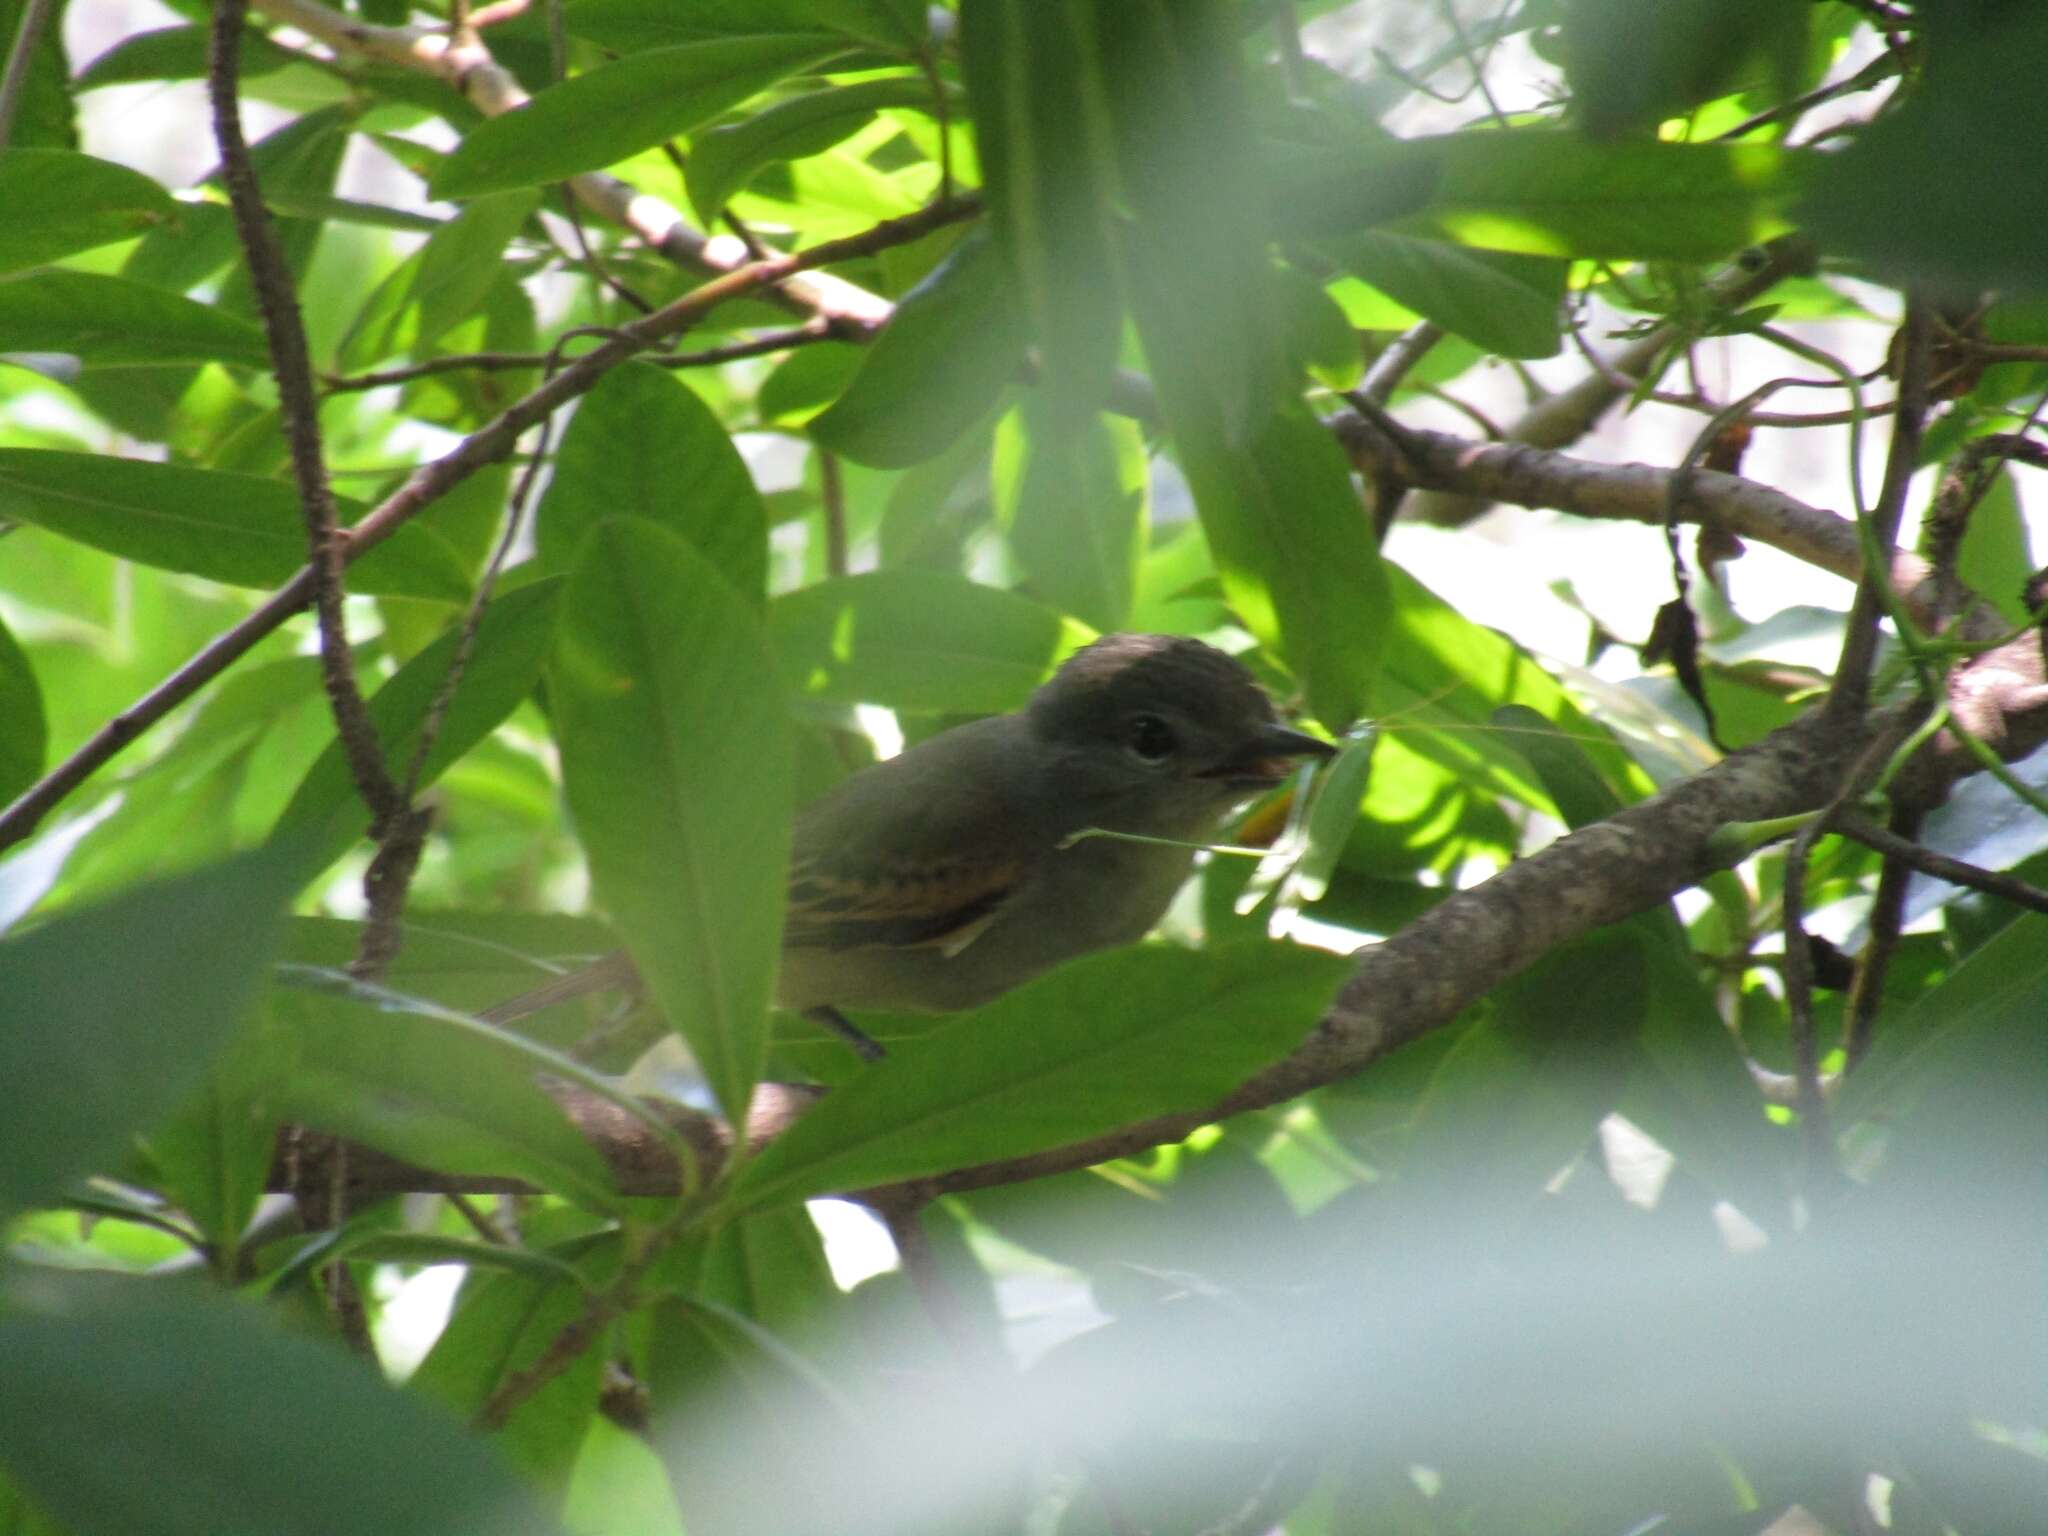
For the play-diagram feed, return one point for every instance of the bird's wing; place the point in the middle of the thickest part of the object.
(938, 906)
(922, 851)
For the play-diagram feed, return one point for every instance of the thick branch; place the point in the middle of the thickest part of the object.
(1637, 493)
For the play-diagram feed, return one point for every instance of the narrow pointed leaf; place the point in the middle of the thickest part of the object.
(643, 444)
(616, 110)
(676, 758)
(1102, 1042)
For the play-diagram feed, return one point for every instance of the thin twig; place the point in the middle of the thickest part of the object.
(398, 829)
(507, 362)
(1887, 921)
(1900, 846)
(425, 485)
(1398, 359)
(28, 36)
(278, 302)
(1851, 691)
(1876, 72)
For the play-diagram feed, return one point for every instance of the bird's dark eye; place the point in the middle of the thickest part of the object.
(1151, 738)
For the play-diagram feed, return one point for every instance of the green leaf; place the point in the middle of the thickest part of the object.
(215, 1410)
(1500, 301)
(643, 444)
(244, 530)
(1105, 1041)
(676, 759)
(616, 110)
(806, 381)
(1042, 130)
(111, 1014)
(631, 25)
(59, 202)
(1546, 192)
(1444, 678)
(1293, 544)
(175, 53)
(919, 640)
(110, 322)
(769, 1267)
(955, 340)
(326, 815)
(1072, 495)
(1630, 68)
(1522, 1092)
(1995, 551)
(26, 739)
(441, 284)
(1894, 197)
(723, 160)
(502, 1323)
(419, 1085)
(463, 960)
(212, 1158)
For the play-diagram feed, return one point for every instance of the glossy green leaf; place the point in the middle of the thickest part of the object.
(920, 640)
(326, 815)
(441, 284)
(1072, 496)
(426, 1088)
(1105, 1041)
(723, 160)
(676, 759)
(26, 739)
(241, 529)
(108, 322)
(215, 1411)
(603, 116)
(122, 1006)
(631, 25)
(1501, 301)
(175, 53)
(59, 202)
(1546, 192)
(1042, 128)
(644, 445)
(955, 340)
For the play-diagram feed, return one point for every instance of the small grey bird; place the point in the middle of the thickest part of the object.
(945, 876)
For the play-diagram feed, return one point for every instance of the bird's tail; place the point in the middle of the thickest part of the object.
(612, 972)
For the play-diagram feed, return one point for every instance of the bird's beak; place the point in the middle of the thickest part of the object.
(1264, 761)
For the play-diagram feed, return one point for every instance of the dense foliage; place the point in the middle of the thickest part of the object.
(1600, 1109)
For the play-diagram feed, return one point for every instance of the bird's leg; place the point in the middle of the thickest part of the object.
(866, 1046)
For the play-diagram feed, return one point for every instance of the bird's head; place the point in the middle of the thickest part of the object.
(1162, 734)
